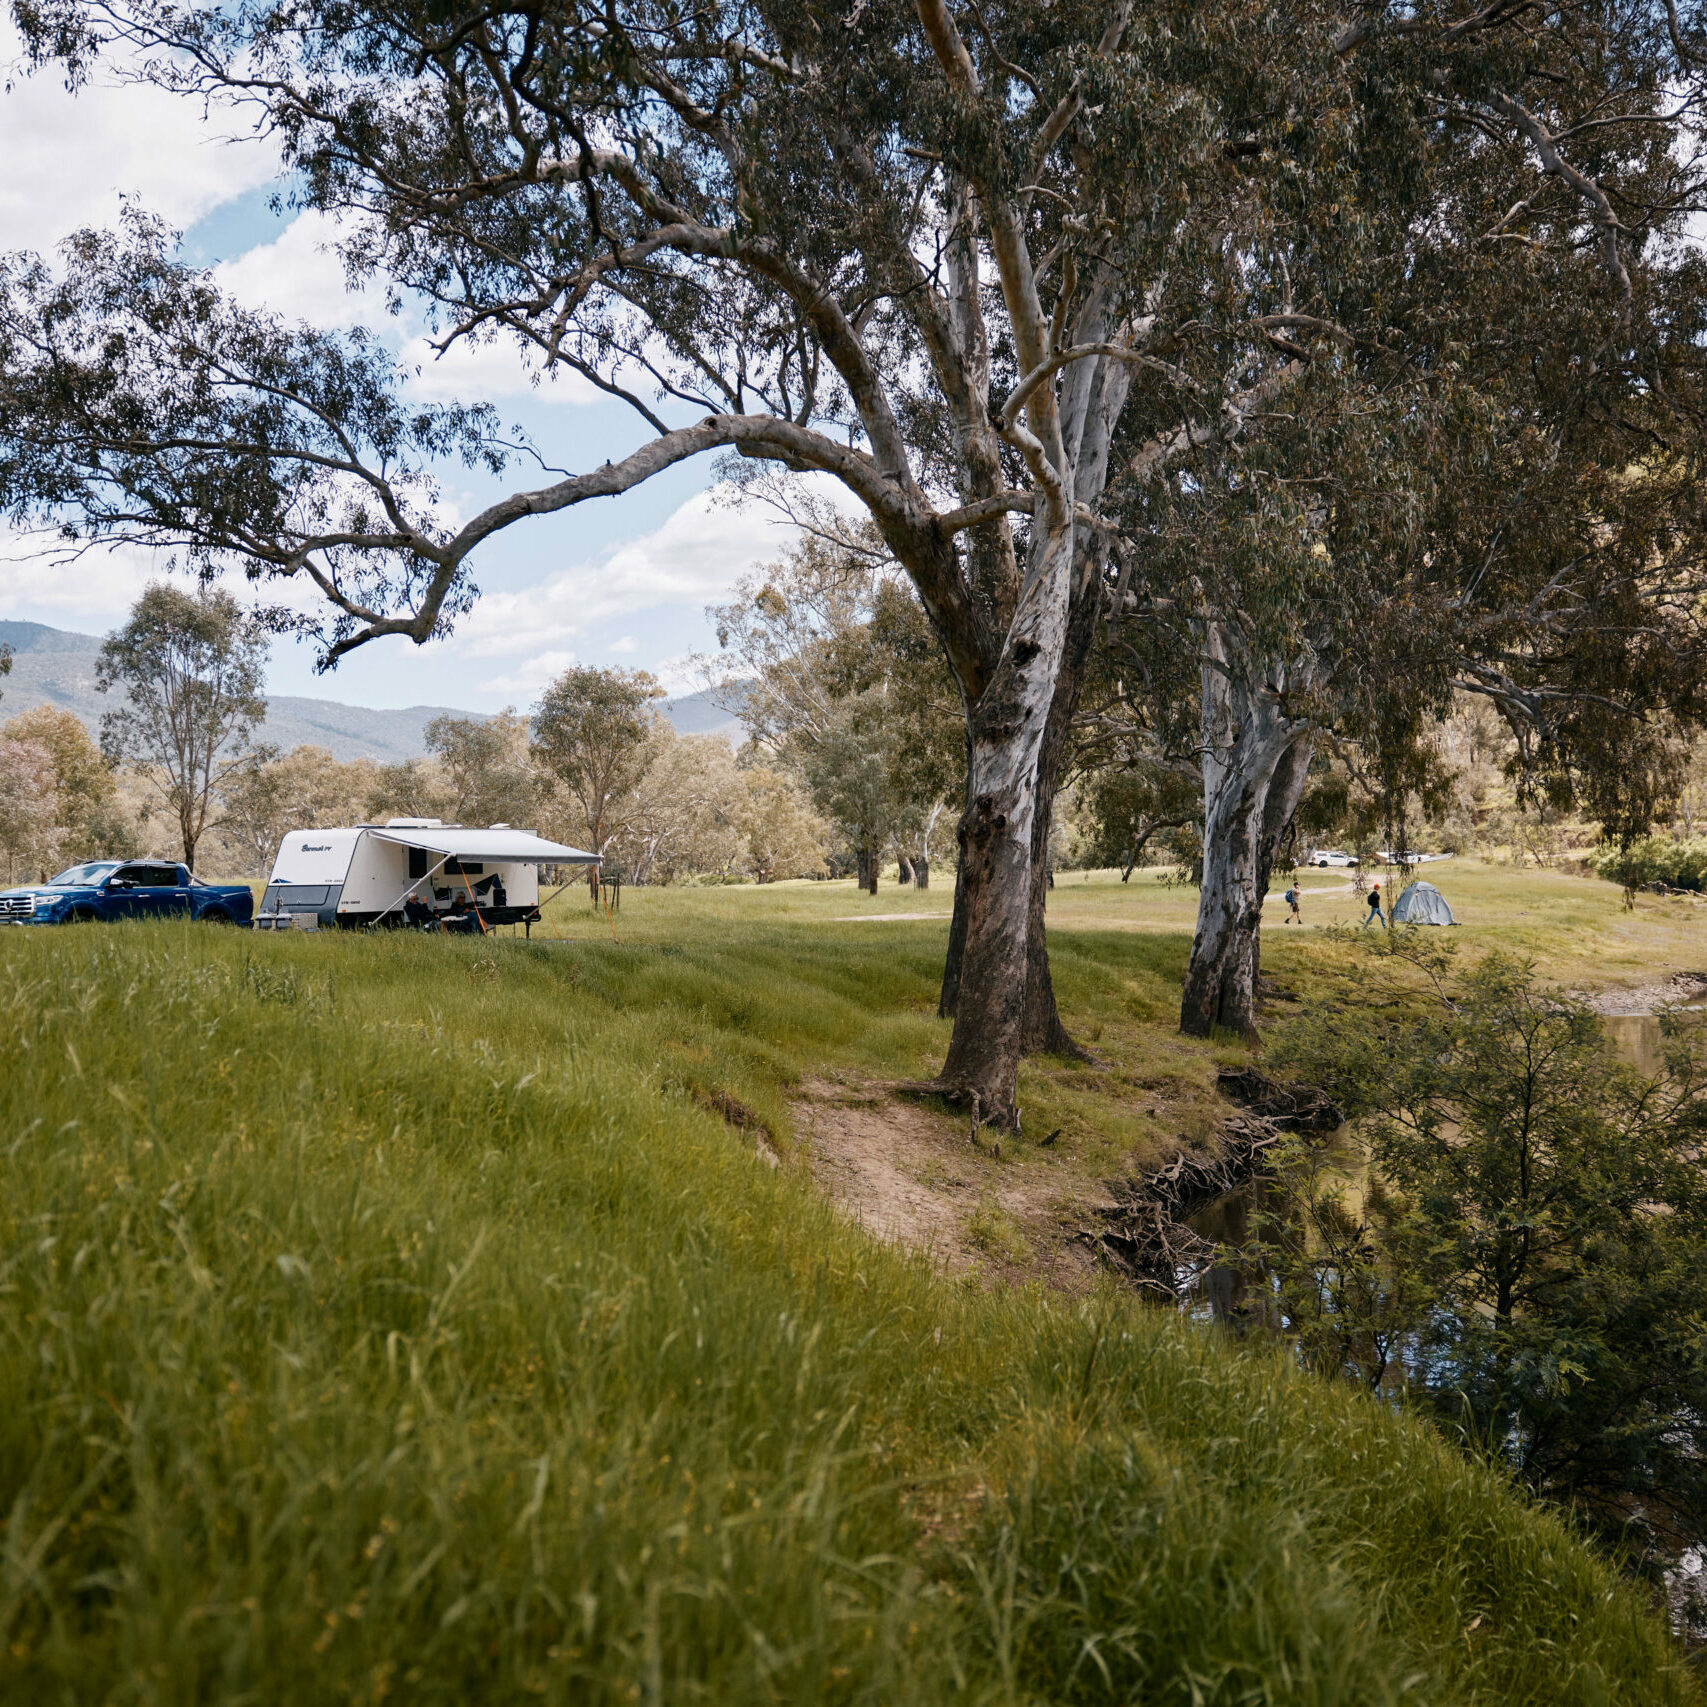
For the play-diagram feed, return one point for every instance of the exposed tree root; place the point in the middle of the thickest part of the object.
(1145, 1235)
(958, 1094)
(1291, 1107)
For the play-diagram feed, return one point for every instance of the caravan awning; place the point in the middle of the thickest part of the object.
(496, 846)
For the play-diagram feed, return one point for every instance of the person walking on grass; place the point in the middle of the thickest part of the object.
(1293, 916)
(1375, 915)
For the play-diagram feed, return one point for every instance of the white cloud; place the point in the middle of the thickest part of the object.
(300, 276)
(527, 680)
(495, 367)
(91, 593)
(94, 591)
(70, 158)
(694, 558)
(625, 644)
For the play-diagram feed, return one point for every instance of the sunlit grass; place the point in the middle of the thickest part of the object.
(386, 1316)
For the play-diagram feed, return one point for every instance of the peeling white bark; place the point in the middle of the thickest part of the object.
(1246, 737)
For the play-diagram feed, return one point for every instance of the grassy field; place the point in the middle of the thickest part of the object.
(396, 1318)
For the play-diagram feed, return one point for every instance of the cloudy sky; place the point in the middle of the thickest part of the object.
(618, 581)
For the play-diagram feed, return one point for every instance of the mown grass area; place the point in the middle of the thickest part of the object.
(392, 1317)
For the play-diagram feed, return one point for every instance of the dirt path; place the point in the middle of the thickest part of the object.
(912, 1175)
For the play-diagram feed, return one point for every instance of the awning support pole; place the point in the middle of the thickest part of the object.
(473, 899)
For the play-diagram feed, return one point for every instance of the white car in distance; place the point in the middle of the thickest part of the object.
(1331, 857)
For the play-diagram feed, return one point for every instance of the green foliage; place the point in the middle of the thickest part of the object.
(1655, 859)
(1133, 807)
(830, 662)
(485, 761)
(1529, 1259)
(385, 1317)
(86, 807)
(589, 740)
(189, 670)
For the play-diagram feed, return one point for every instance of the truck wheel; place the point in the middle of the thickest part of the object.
(83, 915)
(216, 916)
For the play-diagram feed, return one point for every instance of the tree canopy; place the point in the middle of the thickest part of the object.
(188, 670)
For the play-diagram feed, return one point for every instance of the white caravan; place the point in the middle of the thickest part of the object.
(410, 871)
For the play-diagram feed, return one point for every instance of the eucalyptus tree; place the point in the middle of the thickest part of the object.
(1492, 487)
(188, 669)
(1511, 557)
(943, 258)
(591, 733)
(486, 766)
(829, 662)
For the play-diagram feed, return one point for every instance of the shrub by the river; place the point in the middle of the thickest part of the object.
(1656, 859)
(1527, 1258)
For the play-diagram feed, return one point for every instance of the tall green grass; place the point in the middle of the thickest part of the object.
(385, 1318)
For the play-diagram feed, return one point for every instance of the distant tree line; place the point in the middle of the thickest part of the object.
(597, 766)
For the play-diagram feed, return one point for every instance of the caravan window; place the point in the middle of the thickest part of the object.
(463, 868)
(298, 894)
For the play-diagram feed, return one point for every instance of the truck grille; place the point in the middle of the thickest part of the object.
(16, 906)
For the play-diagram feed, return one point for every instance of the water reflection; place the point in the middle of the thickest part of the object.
(1636, 1037)
(1236, 1291)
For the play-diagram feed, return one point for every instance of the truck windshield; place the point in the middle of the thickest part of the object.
(96, 872)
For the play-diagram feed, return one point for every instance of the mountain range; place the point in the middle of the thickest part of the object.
(54, 666)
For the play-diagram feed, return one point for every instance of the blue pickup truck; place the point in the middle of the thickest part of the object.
(110, 889)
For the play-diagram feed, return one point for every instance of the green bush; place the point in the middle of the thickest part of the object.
(1658, 859)
(388, 1318)
(1526, 1257)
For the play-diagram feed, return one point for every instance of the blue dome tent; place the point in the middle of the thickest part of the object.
(1422, 904)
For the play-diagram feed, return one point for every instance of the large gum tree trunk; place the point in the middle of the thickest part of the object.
(1092, 401)
(1246, 740)
(1005, 738)
(950, 998)
(1242, 980)
(1219, 989)
(1285, 790)
(1042, 1032)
